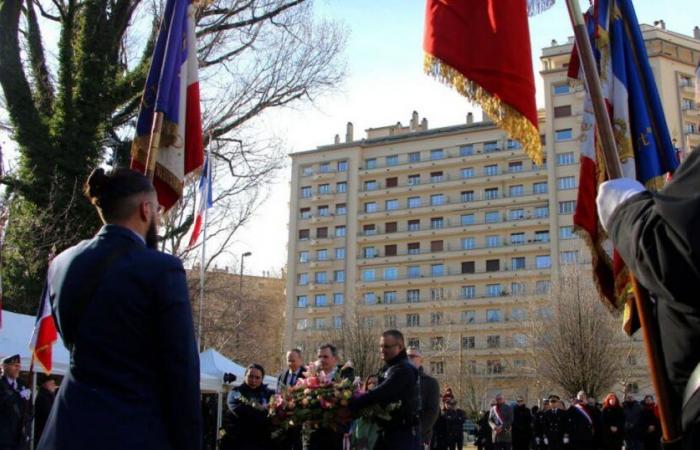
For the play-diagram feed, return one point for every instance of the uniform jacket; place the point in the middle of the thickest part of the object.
(554, 426)
(133, 381)
(430, 404)
(12, 413)
(505, 412)
(247, 427)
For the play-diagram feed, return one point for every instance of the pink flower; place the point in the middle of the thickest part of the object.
(312, 382)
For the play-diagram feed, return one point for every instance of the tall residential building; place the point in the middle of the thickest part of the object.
(452, 234)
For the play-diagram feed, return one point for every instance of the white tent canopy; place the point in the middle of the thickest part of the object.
(215, 364)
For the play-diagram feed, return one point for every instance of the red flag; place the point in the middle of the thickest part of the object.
(45, 333)
(482, 49)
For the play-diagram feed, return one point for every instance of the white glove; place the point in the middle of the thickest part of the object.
(612, 193)
(25, 394)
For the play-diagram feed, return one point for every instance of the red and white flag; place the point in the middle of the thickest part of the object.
(45, 333)
(205, 202)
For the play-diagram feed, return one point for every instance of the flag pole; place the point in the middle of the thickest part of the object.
(153, 144)
(670, 426)
(202, 272)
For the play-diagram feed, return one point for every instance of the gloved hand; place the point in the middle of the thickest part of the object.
(25, 394)
(612, 193)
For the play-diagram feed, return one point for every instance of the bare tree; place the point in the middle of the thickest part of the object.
(357, 340)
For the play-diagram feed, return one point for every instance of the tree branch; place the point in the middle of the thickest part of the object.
(248, 22)
(42, 77)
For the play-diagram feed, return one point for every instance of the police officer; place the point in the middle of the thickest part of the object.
(123, 311)
(554, 425)
(398, 382)
(14, 401)
(429, 396)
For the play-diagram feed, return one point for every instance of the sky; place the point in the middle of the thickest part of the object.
(385, 84)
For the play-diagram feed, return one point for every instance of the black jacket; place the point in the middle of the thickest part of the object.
(581, 429)
(612, 417)
(246, 427)
(430, 404)
(12, 415)
(522, 423)
(283, 380)
(42, 408)
(398, 381)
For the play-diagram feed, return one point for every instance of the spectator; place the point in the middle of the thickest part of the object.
(613, 423)
(455, 419)
(633, 412)
(484, 440)
(649, 424)
(44, 401)
(429, 395)
(522, 425)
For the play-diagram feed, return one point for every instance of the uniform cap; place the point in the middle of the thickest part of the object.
(14, 359)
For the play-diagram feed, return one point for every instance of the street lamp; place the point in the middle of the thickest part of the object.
(240, 287)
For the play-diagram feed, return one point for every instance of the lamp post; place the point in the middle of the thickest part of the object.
(240, 287)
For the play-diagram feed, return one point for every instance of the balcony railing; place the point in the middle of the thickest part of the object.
(449, 272)
(449, 248)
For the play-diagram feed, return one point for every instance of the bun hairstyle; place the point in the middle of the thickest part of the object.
(111, 192)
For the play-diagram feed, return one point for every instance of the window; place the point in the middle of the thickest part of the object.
(369, 230)
(414, 225)
(491, 170)
(368, 321)
(437, 367)
(324, 188)
(368, 275)
(436, 177)
(517, 263)
(436, 223)
(567, 207)
(321, 278)
(468, 243)
(494, 367)
(491, 193)
(338, 298)
(687, 104)
(303, 235)
(568, 257)
(437, 200)
(542, 286)
(515, 166)
(371, 163)
(413, 272)
(491, 146)
(518, 288)
(391, 273)
(468, 267)
(390, 227)
(467, 196)
(518, 314)
(302, 301)
(414, 202)
(370, 207)
(563, 135)
(389, 296)
(390, 205)
(540, 187)
(412, 320)
(493, 341)
(565, 159)
(541, 212)
(369, 252)
(414, 157)
(337, 322)
(436, 246)
(306, 191)
(543, 261)
(369, 298)
(437, 270)
(562, 111)
(342, 166)
(307, 171)
(324, 167)
(492, 217)
(390, 321)
(437, 343)
(320, 300)
(468, 292)
(339, 276)
(320, 323)
(542, 236)
(302, 324)
(493, 265)
(413, 180)
(437, 154)
(467, 219)
(341, 209)
(413, 248)
(466, 150)
(371, 185)
(414, 343)
(468, 316)
(561, 89)
(517, 238)
(494, 315)
(493, 290)
(516, 191)
(436, 318)
(321, 233)
(341, 187)
(392, 160)
(413, 296)
(390, 250)
(493, 241)
(516, 214)
(340, 231)
(566, 183)
(566, 232)
(322, 255)
(323, 211)
(467, 172)
(303, 279)
(392, 182)
(304, 257)
(513, 144)
(467, 342)
(305, 213)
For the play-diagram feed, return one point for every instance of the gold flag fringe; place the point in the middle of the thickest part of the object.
(503, 115)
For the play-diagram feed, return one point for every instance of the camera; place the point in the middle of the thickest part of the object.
(229, 377)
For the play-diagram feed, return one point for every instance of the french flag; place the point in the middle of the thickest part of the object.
(205, 201)
(172, 88)
(45, 333)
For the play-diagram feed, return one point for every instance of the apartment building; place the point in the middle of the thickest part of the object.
(452, 234)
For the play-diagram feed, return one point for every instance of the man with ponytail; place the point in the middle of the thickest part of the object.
(123, 311)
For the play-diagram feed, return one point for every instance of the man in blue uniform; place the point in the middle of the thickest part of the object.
(14, 404)
(123, 311)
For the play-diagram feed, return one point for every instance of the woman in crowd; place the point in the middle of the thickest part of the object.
(246, 425)
(613, 420)
(650, 424)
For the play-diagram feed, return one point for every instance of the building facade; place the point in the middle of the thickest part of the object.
(452, 234)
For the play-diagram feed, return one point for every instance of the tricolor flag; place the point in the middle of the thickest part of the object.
(482, 49)
(44, 334)
(642, 138)
(172, 88)
(205, 201)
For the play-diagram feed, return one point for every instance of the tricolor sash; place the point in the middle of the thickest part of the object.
(583, 411)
